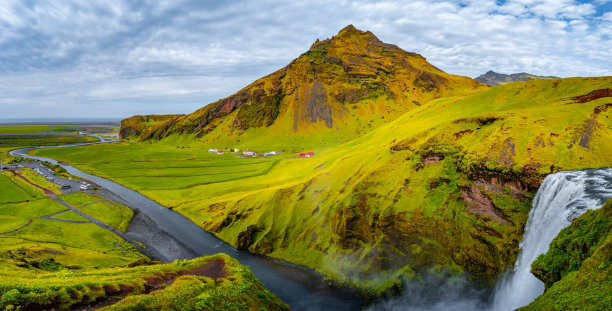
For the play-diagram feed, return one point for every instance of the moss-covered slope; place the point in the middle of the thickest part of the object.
(135, 125)
(215, 282)
(340, 88)
(577, 269)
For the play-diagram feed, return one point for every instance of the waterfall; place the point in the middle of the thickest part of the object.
(561, 198)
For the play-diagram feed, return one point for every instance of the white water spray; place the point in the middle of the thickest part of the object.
(561, 198)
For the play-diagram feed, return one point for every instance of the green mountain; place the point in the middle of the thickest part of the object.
(494, 78)
(446, 183)
(337, 90)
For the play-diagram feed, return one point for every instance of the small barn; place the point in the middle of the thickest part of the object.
(306, 155)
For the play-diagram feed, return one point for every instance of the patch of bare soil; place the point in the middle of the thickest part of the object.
(214, 269)
(481, 206)
(597, 94)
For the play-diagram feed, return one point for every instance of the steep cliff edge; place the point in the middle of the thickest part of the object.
(134, 126)
(577, 268)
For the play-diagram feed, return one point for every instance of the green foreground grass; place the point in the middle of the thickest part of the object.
(179, 286)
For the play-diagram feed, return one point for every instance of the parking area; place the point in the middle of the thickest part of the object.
(67, 185)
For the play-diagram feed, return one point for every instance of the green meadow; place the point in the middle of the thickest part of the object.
(109, 212)
(34, 128)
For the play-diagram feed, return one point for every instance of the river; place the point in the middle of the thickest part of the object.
(301, 288)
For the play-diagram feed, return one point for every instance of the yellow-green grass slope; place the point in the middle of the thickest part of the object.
(447, 184)
(577, 269)
(215, 282)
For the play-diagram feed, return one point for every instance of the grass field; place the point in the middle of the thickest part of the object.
(16, 215)
(27, 140)
(70, 215)
(79, 199)
(111, 213)
(158, 167)
(14, 190)
(390, 202)
(35, 128)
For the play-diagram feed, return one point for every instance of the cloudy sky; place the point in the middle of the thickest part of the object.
(119, 58)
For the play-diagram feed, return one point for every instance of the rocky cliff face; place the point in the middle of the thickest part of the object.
(337, 81)
(134, 126)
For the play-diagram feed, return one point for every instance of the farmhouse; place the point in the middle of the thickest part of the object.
(306, 155)
(220, 152)
(212, 150)
(249, 153)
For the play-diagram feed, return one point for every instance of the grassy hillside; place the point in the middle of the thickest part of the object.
(339, 89)
(448, 184)
(577, 268)
(208, 283)
(134, 126)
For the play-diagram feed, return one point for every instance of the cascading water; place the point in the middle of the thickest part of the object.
(561, 198)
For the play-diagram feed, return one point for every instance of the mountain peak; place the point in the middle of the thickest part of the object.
(325, 88)
(348, 30)
(349, 34)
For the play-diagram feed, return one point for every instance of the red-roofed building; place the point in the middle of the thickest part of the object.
(306, 155)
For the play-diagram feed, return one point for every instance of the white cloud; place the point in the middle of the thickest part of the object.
(191, 53)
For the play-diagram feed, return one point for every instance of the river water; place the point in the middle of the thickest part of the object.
(301, 288)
